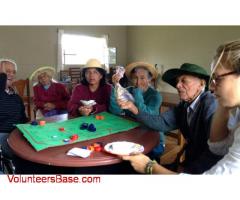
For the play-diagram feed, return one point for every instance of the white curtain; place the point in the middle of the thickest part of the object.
(60, 58)
(106, 54)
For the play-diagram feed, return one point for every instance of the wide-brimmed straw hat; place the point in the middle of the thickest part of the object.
(145, 65)
(46, 69)
(186, 69)
(93, 63)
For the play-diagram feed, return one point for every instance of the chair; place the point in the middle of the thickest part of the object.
(6, 164)
(174, 147)
(64, 74)
(75, 74)
(23, 90)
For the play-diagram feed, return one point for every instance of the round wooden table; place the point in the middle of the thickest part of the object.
(56, 156)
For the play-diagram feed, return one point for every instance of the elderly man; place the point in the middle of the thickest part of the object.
(12, 110)
(9, 67)
(192, 115)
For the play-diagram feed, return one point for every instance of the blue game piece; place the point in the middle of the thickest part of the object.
(34, 123)
(66, 140)
(91, 128)
(84, 147)
(84, 126)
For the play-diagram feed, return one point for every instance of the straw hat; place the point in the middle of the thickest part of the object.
(93, 63)
(8, 60)
(145, 65)
(46, 69)
(186, 69)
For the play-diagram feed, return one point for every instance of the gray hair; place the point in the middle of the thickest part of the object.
(4, 60)
(230, 53)
(149, 75)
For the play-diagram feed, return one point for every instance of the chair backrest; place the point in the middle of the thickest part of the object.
(174, 142)
(64, 74)
(23, 90)
(75, 74)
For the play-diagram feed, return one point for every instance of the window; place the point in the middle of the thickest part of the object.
(77, 49)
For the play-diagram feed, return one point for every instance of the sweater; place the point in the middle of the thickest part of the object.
(56, 94)
(12, 111)
(82, 92)
(147, 102)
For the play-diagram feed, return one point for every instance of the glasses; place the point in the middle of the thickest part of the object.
(216, 79)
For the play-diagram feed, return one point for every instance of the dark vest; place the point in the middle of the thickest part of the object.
(197, 153)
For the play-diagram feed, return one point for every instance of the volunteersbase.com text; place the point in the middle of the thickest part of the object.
(53, 179)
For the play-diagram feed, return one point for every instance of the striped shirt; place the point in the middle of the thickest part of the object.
(12, 111)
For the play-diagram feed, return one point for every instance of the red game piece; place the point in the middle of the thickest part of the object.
(98, 148)
(61, 129)
(96, 145)
(74, 137)
(99, 117)
(42, 123)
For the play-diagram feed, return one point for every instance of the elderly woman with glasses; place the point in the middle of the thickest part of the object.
(192, 116)
(225, 129)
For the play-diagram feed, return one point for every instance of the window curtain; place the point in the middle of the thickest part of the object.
(60, 51)
(106, 53)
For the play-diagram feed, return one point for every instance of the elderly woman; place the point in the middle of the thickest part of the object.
(147, 99)
(12, 110)
(50, 98)
(192, 115)
(93, 87)
(225, 130)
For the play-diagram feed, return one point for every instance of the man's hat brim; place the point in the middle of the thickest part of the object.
(171, 75)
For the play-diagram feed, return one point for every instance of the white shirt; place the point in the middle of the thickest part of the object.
(230, 147)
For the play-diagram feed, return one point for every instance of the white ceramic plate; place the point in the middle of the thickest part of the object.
(123, 148)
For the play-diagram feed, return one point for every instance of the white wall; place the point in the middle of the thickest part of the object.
(171, 46)
(34, 46)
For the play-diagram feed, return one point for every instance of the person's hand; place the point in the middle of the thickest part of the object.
(85, 110)
(49, 106)
(115, 78)
(128, 105)
(138, 162)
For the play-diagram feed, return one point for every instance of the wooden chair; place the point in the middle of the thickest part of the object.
(174, 148)
(64, 75)
(174, 145)
(75, 74)
(23, 90)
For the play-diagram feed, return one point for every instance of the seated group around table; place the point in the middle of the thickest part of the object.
(209, 122)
